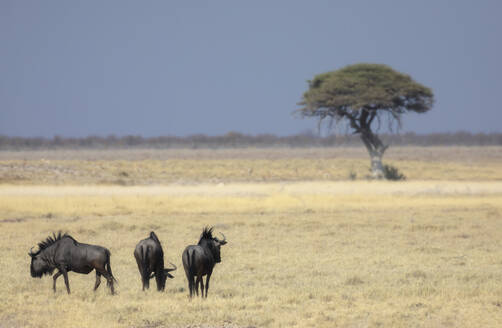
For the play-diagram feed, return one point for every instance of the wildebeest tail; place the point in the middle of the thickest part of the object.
(190, 259)
(108, 266)
(144, 264)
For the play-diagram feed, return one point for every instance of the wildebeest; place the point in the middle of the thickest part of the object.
(199, 260)
(150, 259)
(64, 253)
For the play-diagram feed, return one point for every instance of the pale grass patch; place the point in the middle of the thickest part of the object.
(309, 254)
(150, 167)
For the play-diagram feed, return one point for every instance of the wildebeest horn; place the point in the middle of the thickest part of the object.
(172, 269)
(30, 253)
(224, 241)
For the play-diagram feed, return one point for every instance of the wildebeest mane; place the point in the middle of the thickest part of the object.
(51, 240)
(154, 237)
(207, 233)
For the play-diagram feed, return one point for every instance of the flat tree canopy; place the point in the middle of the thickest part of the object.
(362, 94)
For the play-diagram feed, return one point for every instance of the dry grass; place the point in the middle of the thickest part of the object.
(413, 254)
(147, 167)
(303, 251)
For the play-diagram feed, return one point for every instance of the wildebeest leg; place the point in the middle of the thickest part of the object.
(192, 290)
(207, 281)
(101, 271)
(197, 286)
(65, 276)
(55, 277)
(146, 280)
(142, 274)
(158, 279)
(108, 277)
(202, 287)
(190, 284)
(109, 281)
(98, 280)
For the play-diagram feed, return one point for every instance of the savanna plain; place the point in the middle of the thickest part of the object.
(311, 241)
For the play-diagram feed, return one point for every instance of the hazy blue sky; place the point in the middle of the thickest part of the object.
(78, 68)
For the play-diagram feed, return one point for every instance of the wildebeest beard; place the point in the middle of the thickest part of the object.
(40, 260)
(46, 270)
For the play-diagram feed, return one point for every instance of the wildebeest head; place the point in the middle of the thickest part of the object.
(212, 243)
(39, 266)
(164, 275)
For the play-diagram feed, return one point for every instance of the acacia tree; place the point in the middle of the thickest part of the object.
(364, 96)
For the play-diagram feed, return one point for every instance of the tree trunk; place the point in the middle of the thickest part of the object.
(376, 166)
(376, 149)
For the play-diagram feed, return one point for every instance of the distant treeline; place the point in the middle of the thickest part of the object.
(239, 140)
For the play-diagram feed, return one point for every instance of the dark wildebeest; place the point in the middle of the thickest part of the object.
(199, 260)
(150, 259)
(65, 254)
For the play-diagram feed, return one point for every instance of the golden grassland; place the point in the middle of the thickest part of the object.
(412, 254)
(301, 253)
